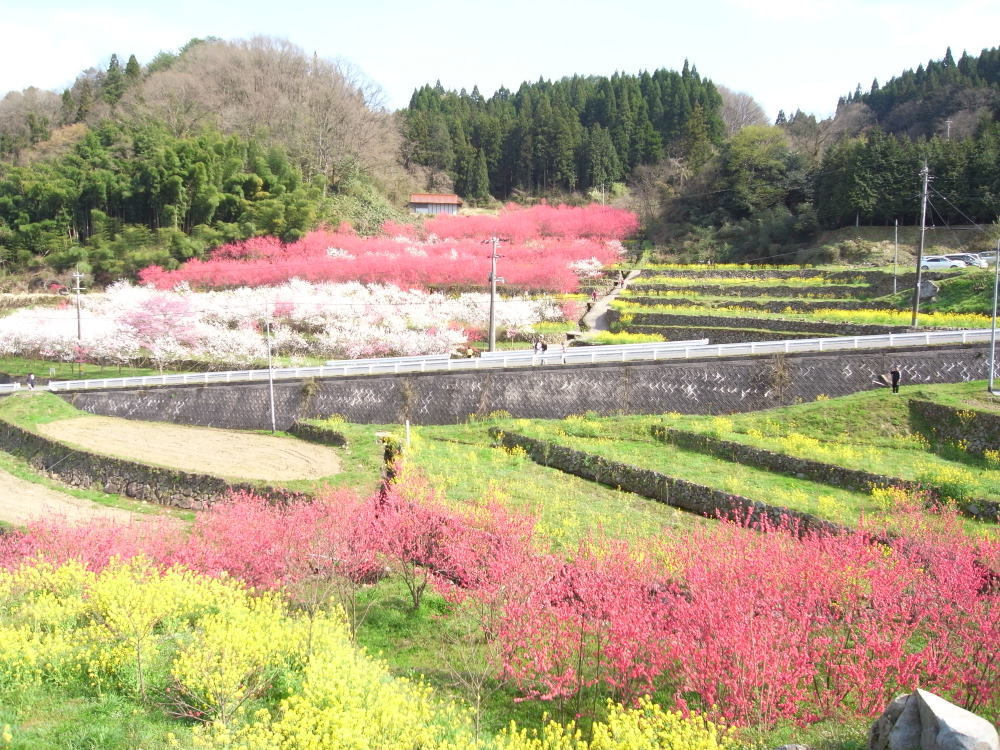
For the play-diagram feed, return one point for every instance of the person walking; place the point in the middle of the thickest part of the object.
(31, 381)
(564, 352)
(894, 374)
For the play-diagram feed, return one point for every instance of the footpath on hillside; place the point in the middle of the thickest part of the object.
(597, 319)
(22, 501)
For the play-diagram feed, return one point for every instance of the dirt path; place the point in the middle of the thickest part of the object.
(206, 450)
(597, 318)
(22, 501)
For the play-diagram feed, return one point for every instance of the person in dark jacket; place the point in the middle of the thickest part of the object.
(894, 374)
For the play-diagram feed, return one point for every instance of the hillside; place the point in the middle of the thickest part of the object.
(137, 165)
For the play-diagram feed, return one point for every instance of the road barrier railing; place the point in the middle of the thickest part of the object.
(572, 356)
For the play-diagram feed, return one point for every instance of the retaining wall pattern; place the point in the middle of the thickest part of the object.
(726, 321)
(721, 335)
(694, 498)
(79, 468)
(831, 474)
(978, 430)
(833, 291)
(773, 306)
(708, 386)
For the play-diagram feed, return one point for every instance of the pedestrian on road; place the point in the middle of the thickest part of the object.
(564, 352)
(31, 381)
(593, 296)
(894, 374)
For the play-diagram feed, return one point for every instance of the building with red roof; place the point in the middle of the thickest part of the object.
(435, 203)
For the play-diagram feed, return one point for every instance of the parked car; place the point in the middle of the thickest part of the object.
(939, 262)
(970, 259)
(990, 256)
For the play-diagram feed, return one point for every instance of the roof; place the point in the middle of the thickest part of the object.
(450, 198)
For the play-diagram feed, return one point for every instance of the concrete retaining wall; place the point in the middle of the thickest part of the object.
(79, 468)
(818, 471)
(832, 291)
(976, 431)
(709, 386)
(694, 498)
(727, 321)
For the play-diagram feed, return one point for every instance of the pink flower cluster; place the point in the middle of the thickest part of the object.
(543, 249)
(753, 627)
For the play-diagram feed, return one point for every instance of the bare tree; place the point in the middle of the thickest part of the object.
(811, 138)
(739, 109)
(326, 115)
(27, 117)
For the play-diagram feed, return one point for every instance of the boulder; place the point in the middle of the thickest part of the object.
(924, 721)
(928, 289)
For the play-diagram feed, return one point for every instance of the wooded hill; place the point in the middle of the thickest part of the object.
(141, 164)
(571, 134)
(137, 165)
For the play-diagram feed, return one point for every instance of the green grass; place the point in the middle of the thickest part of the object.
(871, 426)
(602, 338)
(905, 456)
(631, 446)
(969, 292)
(23, 470)
(30, 409)
(793, 281)
(461, 462)
(860, 317)
(45, 370)
(360, 461)
(972, 395)
(54, 719)
(693, 299)
(436, 645)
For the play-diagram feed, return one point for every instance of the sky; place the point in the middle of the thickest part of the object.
(787, 54)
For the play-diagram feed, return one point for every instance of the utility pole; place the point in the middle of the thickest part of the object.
(920, 254)
(77, 288)
(494, 242)
(79, 328)
(270, 372)
(993, 333)
(895, 256)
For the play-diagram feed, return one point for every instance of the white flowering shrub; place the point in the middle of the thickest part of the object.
(352, 320)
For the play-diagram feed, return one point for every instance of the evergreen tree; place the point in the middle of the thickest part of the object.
(697, 146)
(113, 85)
(133, 71)
(477, 182)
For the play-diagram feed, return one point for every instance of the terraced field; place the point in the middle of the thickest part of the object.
(735, 305)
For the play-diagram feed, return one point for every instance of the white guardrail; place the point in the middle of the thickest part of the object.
(496, 360)
(603, 349)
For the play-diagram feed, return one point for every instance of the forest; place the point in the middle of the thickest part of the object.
(157, 163)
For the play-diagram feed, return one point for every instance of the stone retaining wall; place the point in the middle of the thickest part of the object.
(79, 468)
(722, 321)
(679, 493)
(773, 306)
(316, 433)
(978, 431)
(847, 275)
(721, 335)
(830, 291)
(695, 386)
(818, 471)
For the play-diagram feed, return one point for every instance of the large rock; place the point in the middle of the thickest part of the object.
(928, 289)
(923, 721)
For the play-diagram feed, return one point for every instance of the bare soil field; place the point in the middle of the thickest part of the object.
(22, 501)
(206, 450)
